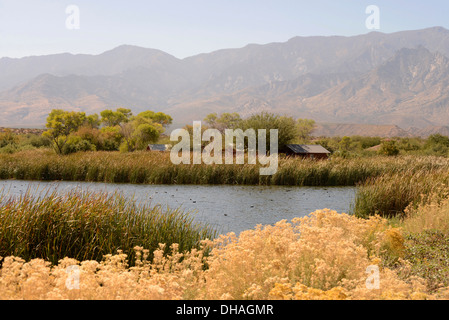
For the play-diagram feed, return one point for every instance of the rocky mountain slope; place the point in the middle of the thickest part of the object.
(399, 79)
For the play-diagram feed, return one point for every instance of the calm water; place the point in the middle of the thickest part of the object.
(226, 208)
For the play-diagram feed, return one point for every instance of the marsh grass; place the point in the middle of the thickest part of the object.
(385, 185)
(390, 194)
(86, 226)
(156, 168)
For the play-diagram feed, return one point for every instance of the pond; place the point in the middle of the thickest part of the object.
(225, 208)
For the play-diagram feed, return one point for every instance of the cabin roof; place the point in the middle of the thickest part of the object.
(375, 148)
(305, 149)
(157, 147)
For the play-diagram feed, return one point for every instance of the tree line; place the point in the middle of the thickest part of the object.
(290, 130)
(119, 130)
(71, 131)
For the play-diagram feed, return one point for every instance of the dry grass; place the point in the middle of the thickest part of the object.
(322, 256)
(429, 215)
(390, 194)
(156, 168)
(426, 231)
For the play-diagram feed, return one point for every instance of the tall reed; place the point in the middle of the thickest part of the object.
(390, 194)
(87, 226)
(156, 168)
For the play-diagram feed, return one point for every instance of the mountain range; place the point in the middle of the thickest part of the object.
(399, 79)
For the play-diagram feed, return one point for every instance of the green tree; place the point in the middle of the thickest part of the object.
(157, 117)
(229, 121)
(93, 121)
(345, 144)
(111, 118)
(389, 148)
(91, 135)
(146, 133)
(304, 128)
(211, 120)
(61, 124)
(111, 138)
(77, 144)
(286, 127)
(225, 121)
(139, 132)
(438, 144)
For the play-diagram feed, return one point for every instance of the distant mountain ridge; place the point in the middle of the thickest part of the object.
(398, 79)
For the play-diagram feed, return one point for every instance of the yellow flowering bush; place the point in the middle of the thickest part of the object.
(322, 256)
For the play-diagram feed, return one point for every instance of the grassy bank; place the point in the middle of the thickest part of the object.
(425, 228)
(87, 226)
(390, 194)
(156, 168)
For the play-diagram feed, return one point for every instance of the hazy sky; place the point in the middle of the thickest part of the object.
(188, 27)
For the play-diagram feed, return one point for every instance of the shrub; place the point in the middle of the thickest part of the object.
(39, 141)
(322, 256)
(389, 148)
(76, 144)
(8, 149)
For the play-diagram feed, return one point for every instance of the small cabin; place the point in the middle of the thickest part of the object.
(158, 147)
(316, 152)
